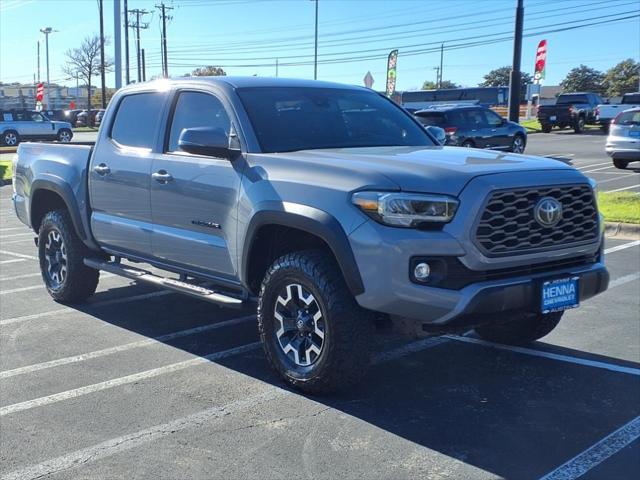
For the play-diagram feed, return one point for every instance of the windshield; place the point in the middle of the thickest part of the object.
(287, 119)
(565, 99)
(631, 98)
(629, 118)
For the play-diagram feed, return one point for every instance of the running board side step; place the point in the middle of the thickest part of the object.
(163, 282)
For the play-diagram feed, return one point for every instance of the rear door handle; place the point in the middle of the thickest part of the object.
(162, 176)
(102, 169)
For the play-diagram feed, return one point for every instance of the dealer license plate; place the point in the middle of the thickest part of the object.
(552, 118)
(561, 294)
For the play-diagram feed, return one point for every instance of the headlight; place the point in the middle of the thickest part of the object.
(406, 209)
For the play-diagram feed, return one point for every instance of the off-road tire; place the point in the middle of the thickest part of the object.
(546, 128)
(344, 356)
(519, 328)
(622, 164)
(10, 138)
(468, 144)
(80, 281)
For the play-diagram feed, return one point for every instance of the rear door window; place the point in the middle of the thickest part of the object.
(137, 118)
(431, 118)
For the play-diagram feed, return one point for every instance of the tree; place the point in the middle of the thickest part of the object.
(429, 85)
(623, 78)
(208, 71)
(97, 97)
(583, 79)
(501, 77)
(84, 63)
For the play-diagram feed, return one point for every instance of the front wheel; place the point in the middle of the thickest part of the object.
(313, 332)
(518, 144)
(65, 135)
(579, 125)
(61, 254)
(468, 144)
(10, 139)
(519, 328)
(546, 128)
(622, 164)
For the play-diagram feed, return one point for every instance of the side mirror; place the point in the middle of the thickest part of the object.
(437, 132)
(208, 141)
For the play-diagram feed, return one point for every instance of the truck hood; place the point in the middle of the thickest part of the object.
(428, 169)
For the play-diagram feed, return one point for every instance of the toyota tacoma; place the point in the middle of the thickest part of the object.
(327, 206)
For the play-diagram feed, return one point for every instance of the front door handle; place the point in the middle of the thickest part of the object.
(102, 169)
(162, 176)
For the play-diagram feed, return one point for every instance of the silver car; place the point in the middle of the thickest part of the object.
(19, 125)
(623, 143)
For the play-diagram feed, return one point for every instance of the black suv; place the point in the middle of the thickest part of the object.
(476, 127)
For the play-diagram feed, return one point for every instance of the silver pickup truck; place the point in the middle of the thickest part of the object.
(328, 206)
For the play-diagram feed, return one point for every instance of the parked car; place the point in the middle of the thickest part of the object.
(475, 127)
(328, 206)
(85, 119)
(608, 111)
(98, 117)
(623, 142)
(19, 125)
(71, 116)
(573, 110)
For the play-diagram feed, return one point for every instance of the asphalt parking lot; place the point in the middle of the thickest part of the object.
(141, 383)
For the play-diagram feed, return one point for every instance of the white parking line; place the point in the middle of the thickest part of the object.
(624, 246)
(11, 229)
(41, 286)
(116, 382)
(117, 445)
(19, 255)
(624, 280)
(4, 278)
(600, 182)
(30, 234)
(122, 348)
(104, 303)
(598, 453)
(598, 169)
(13, 260)
(553, 356)
(624, 188)
(15, 242)
(582, 167)
(123, 443)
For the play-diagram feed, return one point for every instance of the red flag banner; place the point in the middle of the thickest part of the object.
(40, 92)
(541, 61)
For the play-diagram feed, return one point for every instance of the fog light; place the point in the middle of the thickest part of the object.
(422, 271)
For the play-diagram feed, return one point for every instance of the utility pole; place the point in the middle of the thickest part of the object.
(38, 61)
(437, 69)
(117, 29)
(315, 57)
(103, 87)
(515, 79)
(137, 26)
(165, 17)
(47, 31)
(144, 68)
(440, 70)
(126, 43)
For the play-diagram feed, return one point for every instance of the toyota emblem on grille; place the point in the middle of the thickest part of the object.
(548, 212)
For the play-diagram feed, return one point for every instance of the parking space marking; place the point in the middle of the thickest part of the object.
(582, 167)
(19, 255)
(116, 382)
(123, 443)
(624, 280)
(116, 445)
(624, 246)
(598, 169)
(624, 188)
(12, 229)
(41, 285)
(30, 234)
(624, 175)
(550, 355)
(122, 348)
(598, 453)
(15, 242)
(104, 303)
(4, 278)
(13, 260)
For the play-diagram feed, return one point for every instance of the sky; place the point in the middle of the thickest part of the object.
(246, 37)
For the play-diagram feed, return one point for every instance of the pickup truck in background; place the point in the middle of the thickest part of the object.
(608, 111)
(327, 208)
(574, 110)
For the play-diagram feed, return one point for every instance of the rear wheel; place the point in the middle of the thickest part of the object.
(61, 254)
(519, 328)
(468, 144)
(579, 125)
(620, 163)
(65, 135)
(313, 332)
(10, 138)
(546, 128)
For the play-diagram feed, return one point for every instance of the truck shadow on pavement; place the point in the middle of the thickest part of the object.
(513, 415)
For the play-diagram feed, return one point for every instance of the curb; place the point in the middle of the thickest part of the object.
(9, 150)
(630, 231)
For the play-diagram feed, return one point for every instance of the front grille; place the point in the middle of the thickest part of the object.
(508, 226)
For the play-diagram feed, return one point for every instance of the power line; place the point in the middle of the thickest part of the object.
(137, 27)
(163, 44)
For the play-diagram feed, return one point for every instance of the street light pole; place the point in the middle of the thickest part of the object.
(315, 58)
(47, 31)
(515, 79)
